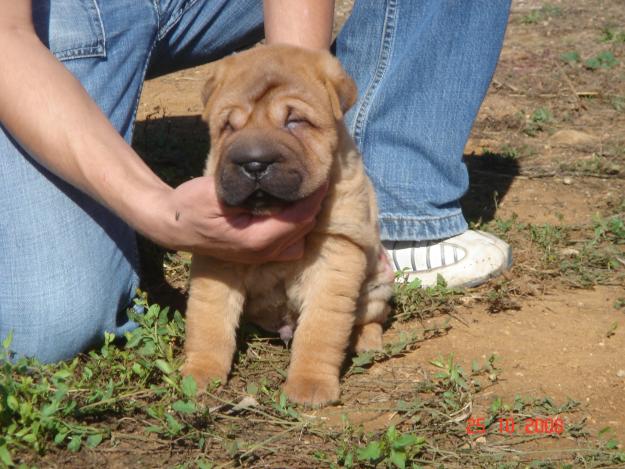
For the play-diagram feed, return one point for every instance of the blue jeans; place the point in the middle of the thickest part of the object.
(68, 267)
(422, 70)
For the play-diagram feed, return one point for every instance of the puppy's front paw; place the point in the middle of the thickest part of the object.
(312, 390)
(204, 374)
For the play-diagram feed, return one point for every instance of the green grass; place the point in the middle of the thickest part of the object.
(507, 153)
(539, 121)
(133, 393)
(618, 103)
(612, 35)
(67, 405)
(390, 449)
(603, 59)
(571, 57)
(413, 302)
(532, 17)
(130, 395)
(595, 165)
(580, 256)
(541, 14)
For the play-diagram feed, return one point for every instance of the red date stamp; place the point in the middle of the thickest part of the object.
(530, 426)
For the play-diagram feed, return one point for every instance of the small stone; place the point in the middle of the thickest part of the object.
(568, 180)
(569, 252)
(620, 373)
(572, 137)
(481, 440)
(246, 403)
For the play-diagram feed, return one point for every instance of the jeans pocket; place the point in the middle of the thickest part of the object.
(70, 28)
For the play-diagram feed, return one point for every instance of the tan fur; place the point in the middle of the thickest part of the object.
(340, 290)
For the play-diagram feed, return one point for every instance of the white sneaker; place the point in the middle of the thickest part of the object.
(466, 260)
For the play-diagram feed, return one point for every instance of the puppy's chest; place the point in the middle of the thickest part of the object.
(272, 299)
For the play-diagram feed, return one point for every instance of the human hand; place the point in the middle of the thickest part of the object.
(196, 221)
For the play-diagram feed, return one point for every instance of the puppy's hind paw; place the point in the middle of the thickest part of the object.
(367, 337)
(315, 391)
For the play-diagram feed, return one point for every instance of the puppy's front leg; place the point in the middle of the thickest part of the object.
(215, 305)
(328, 290)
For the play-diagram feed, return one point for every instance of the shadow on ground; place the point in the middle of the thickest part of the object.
(490, 178)
(175, 148)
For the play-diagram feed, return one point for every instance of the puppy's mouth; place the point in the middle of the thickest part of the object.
(261, 174)
(265, 195)
(263, 202)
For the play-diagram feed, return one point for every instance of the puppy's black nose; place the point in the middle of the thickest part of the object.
(255, 169)
(253, 160)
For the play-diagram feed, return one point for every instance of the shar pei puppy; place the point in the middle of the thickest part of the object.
(275, 115)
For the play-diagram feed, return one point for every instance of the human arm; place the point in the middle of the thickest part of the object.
(48, 111)
(305, 23)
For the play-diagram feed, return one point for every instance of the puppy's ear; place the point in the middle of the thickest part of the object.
(341, 88)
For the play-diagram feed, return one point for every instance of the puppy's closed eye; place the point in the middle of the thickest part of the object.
(294, 119)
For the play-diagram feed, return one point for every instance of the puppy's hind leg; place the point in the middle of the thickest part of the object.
(373, 308)
(367, 337)
(372, 313)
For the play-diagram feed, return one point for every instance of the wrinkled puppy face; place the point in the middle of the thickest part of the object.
(272, 113)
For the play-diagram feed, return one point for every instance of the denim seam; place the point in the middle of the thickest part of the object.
(135, 279)
(157, 8)
(98, 50)
(136, 260)
(406, 230)
(83, 53)
(388, 38)
(175, 18)
(101, 23)
(144, 70)
(399, 217)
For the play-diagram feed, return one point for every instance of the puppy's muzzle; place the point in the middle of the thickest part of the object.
(257, 173)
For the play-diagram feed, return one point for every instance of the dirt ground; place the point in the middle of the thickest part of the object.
(548, 147)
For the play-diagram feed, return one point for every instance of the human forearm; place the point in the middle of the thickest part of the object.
(305, 23)
(47, 110)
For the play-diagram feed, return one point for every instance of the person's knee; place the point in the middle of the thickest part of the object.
(57, 323)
